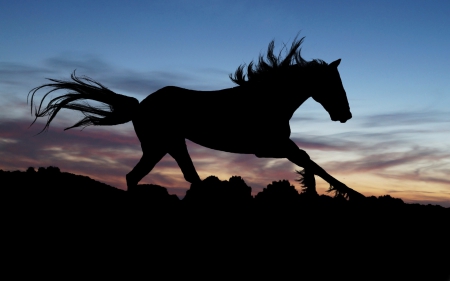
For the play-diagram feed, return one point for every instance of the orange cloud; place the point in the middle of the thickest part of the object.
(108, 155)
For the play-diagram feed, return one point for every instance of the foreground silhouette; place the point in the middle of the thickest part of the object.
(252, 118)
(57, 219)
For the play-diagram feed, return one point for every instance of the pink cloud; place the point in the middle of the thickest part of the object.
(108, 155)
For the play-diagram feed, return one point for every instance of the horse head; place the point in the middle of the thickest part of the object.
(331, 94)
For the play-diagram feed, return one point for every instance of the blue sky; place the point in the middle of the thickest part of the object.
(395, 68)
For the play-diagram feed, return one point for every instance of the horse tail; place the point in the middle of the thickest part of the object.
(114, 109)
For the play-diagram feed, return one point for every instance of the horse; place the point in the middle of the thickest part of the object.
(250, 118)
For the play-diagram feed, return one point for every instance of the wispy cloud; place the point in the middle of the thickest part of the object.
(415, 118)
(85, 63)
(15, 74)
(389, 146)
(387, 160)
(116, 78)
(105, 155)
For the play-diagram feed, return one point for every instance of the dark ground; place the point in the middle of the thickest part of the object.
(60, 224)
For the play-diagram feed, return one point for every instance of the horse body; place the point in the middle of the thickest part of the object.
(252, 118)
(230, 120)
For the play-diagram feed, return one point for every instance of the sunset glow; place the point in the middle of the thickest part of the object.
(395, 69)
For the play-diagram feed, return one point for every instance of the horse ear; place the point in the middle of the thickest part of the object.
(335, 63)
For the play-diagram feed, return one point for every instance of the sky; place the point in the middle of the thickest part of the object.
(395, 69)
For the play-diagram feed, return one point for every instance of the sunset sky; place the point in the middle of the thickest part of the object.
(395, 68)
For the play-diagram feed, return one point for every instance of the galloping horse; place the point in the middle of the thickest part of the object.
(251, 118)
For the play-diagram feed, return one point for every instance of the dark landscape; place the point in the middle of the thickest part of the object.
(220, 227)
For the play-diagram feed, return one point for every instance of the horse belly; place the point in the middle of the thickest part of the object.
(238, 137)
(225, 143)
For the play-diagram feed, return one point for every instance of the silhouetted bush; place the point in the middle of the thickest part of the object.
(387, 200)
(151, 194)
(50, 170)
(278, 192)
(56, 204)
(53, 170)
(239, 190)
(31, 170)
(213, 190)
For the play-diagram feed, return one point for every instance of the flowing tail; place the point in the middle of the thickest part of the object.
(116, 109)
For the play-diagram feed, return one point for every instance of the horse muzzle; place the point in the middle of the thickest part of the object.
(342, 119)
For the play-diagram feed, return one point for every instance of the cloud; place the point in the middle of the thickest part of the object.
(109, 155)
(145, 83)
(412, 118)
(116, 78)
(93, 151)
(324, 143)
(389, 146)
(18, 74)
(376, 162)
(111, 76)
(214, 71)
(84, 63)
(424, 176)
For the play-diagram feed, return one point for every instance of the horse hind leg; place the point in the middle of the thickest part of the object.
(152, 154)
(179, 152)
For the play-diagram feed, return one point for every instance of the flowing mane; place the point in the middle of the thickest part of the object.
(272, 66)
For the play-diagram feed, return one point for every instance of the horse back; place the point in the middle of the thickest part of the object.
(228, 120)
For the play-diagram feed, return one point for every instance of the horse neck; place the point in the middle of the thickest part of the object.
(295, 98)
(283, 100)
(296, 93)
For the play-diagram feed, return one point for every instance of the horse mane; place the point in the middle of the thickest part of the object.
(269, 68)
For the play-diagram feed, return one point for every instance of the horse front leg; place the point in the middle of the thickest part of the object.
(308, 182)
(288, 149)
(301, 158)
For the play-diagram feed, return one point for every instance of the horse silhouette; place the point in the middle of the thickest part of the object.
(251, 118)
